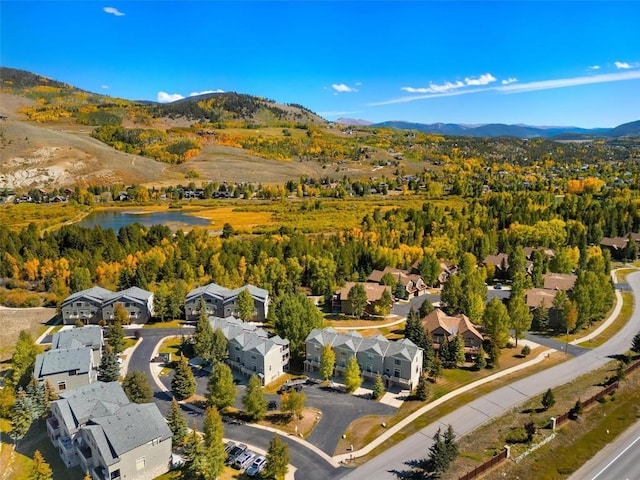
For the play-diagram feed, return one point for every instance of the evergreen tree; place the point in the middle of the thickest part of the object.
(450, 444)
(109, 369)
(436, 369)
(452, 295)
(352, 378)
(40, 469)
(195, 451)
(219, 346)
(540, 322)
(378, 387)
(254, 401)
(437, 460)
(422, 390)
(494, 355)
(457, 350)
(21, 418)
(446, 355)
(358, 299)
(36, 397)
(49, 396)
(137, 387)
(203, 337)
(177, 423)
(246, 305)
(214, 454)
(183, 383)
(635, 343)
(277, 459)
(327, 362)
(401, 291)
(426, 308)
(548, 399)
(480, 362)
(222, 391)
(115, 336)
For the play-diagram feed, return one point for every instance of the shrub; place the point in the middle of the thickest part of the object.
(526, 350)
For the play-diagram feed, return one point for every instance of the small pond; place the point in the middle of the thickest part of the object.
(175, 219)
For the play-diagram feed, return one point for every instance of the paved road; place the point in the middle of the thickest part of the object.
(559, 345)
(309, 465)
(617, 461)
(392, 463)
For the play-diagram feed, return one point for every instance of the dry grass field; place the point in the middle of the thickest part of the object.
(12, 320)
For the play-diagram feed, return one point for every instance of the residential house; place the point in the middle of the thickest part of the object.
(137, 302)
(540, 297)
(89, 336)
(85, 306)
(252, 350)
(66, 368)
(398, 362)
(441, 325)
(97, 428)
(559, 281)
(548, 252)
(500, 261)
(223, 302)
(372, 290)
(413, 283)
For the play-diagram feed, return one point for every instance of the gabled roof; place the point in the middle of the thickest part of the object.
(540, 297)
(225, 294)
(559, 281)
(497, 260)
(378, 345)
(133, 294)
(458, 324)
(77, 406)
(63, 360)
(617, 243)
(350, 341)
(247, 335)
(93, 294)
(403, 348)
(372, 290)
(87, 336)
(130, 427)
(325, 336)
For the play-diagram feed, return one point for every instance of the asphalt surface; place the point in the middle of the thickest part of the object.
(309, 465)
(559, 345)
(619, 460)
(395, 462)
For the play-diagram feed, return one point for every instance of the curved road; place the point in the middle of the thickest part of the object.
(309, 465)
(393, 462)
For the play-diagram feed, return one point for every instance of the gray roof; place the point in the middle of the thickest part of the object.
(94, 294)
(247, 336)
(88, 336)
(130, 427)
(63, 360)
(133, 294)
(218, 291)
(94, 400)
(404, 348)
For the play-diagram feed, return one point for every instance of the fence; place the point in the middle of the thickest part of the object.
(480, 469)
(589, 401)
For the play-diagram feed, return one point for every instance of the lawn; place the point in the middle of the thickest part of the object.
(618, 323)
(45, 215)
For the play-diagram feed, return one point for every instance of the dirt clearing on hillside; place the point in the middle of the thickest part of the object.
(12, 320)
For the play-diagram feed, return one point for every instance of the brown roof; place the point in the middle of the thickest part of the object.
(528, 251)
(617, 243)
(540, 297)
(398, 275)
(457, 324)
(373, 291)
(559, 281)
(497, 260)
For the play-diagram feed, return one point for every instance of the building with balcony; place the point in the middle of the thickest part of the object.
(137, 302)
(96, 428)
(223, 302)
(252, 350)
(84, 306)
(398, 362)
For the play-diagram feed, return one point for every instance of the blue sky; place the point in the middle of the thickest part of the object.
(539, 63)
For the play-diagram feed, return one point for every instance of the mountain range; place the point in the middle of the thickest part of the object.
(631, 129)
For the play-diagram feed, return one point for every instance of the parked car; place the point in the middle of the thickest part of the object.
(257, 466)
(498, 286)
(228, 446)
(244, 460)
(235, 452)
(272, 405)
(296, 384)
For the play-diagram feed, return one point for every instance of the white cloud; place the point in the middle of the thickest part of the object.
(509, 80)
(519, 87)
(195, 94)
(104, 87)
(485, 79)
(594, 67)
(623, 65)
(342, 88)
(164, 97)
(113, 11)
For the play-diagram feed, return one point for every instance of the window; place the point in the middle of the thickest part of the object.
(253, 357)
(369, 356)
(141, 463)
(369, 367)
(396, 373)
(115, 474)
(155, 441)
(62, 385)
